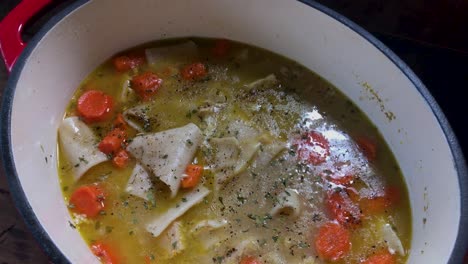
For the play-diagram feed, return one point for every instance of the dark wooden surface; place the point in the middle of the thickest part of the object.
(430, 35)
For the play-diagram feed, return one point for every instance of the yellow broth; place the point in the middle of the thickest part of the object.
(302, 100)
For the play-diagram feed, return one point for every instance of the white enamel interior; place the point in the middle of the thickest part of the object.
(95, 31)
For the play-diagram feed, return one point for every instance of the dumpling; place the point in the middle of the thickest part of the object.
(166, 154)
(79, 144)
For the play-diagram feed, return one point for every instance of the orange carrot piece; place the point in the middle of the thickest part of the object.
(94, 106)
(313, 147)
(383, 257)
(342, 208)
(194, 71)
(128, 62)
(120, 122)
(368, 147)
(105, 253)
(332, 242)
(378, 204)
(113, 141)
(149, 259)
(146, 85)
(194, 173)
(221, 47)
(250, 260)
(87, 200)
(121, 159)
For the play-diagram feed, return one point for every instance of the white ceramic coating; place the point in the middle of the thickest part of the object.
(96, 30)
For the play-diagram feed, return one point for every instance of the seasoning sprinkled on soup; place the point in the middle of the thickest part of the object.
(212, 151)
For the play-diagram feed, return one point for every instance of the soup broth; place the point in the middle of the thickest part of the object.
(212, 151)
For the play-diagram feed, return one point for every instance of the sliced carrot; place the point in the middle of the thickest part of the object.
(194, 71)
(342, 208)
(353, 194)
(221, 47)
(120, 122)
(194, 173)
(313, 147)
(87, 200)
(368, 147)
(149, 259)
(249, 260)
(146, 85)
(332, 242)
(383, 257)
(121, 159)
(105, 253)
(94, 106)
(378, 204)
(113, 141)
(128, 62)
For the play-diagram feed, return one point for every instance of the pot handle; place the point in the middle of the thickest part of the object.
(11, 43)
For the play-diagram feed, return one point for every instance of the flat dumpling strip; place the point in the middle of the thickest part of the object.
(159, 54)
(231, 157)
(392, 240)
(137, 117)
(166, 154)
(79, 144)
(173, 240)
(139, 183)
(288, 203)
(182, 205)
(264, 83)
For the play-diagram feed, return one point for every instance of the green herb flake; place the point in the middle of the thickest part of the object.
(109, 229)
(303, 244)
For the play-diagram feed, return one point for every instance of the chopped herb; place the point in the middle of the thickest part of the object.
(184, 199)
(151, 198)
(82, 159)
(221, 200)
(109, 229)
(275, 238)
(71, 225)
(189, 142)
(241, 199)
(130, 232)
(303, 244)
(174, 245)
(218, 259)
(260, 220)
